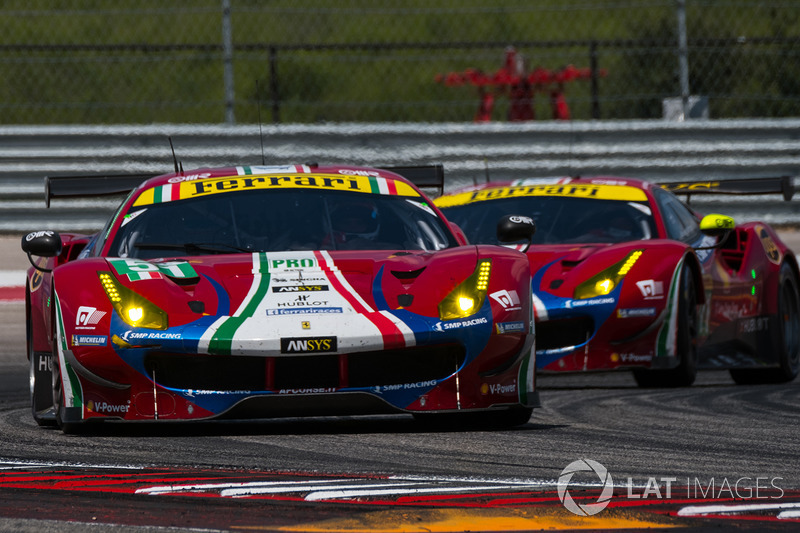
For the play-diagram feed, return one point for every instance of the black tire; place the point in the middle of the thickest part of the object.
(494, 419)
(787, 337)
(69, 428)
(685, 373)
(39, 379)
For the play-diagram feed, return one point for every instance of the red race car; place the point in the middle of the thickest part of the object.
(250, 292)
(626, 275)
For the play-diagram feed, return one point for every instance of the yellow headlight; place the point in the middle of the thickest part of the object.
(133, 308)
(467, 298)
(135, 314)
(466, 303)
(606, 281)
(604, 286)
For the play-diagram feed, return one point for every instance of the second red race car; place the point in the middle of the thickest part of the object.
(627, 276)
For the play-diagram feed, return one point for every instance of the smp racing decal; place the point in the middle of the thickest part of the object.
(458, 324)
(132, 336)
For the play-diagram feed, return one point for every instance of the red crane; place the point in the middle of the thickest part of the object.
(514, 79)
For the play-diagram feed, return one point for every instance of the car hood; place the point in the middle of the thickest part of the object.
(285, 283)
(559, 269)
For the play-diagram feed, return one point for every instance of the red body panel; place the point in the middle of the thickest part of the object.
(737, 281)
(280, 333)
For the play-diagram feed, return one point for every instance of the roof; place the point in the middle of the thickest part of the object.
(600, 187)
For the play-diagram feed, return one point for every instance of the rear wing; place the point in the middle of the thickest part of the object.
(91, 185)
(782, 185)
(424, 176)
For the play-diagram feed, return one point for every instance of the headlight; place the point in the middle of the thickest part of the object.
(467, 298)
(605, 282)
(136, 310)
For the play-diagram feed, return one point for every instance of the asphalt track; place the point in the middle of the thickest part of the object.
(715, 455)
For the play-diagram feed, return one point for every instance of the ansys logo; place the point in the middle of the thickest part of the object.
(576, 467)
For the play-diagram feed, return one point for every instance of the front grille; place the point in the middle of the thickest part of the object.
(362, 369)
(553, 334)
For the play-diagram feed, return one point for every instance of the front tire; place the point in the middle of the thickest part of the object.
(70, 428)
(787, 337)
(685, 373)
(39, 378)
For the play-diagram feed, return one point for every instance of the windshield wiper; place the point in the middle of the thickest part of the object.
(193, 247)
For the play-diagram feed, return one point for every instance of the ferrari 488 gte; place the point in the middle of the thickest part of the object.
(251, 292)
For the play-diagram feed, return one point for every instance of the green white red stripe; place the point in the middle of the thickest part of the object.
(166, 193)
(380, 185)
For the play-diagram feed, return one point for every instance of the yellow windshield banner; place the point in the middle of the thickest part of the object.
(575, 190)
(337, 182)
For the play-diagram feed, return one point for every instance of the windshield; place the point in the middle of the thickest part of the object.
(559, 220)
(270, 221)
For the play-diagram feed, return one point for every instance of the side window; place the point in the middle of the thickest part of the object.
(679, 221)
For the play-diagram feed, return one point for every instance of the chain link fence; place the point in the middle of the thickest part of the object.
(304, 61)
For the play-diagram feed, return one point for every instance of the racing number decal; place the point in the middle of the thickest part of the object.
(137, 269)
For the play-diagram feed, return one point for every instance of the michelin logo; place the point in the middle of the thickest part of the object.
(89, 340)
(637, 312)
(511, 327)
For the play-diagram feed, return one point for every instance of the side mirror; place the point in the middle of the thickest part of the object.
(43, 244)
(514, 228)
(717, 225)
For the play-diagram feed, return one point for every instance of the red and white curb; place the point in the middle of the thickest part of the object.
(12, 286)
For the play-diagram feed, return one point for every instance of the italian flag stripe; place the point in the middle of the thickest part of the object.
(374, 186)
(392, 335)
(138, 276)
(667, 335)
(379, 185)
(166, 193)
(221, 342)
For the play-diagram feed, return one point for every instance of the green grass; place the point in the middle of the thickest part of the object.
(118, 74)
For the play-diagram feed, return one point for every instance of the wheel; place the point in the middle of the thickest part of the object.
(685, 373)
(787, 336)
(58, 398)
(39, 378)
